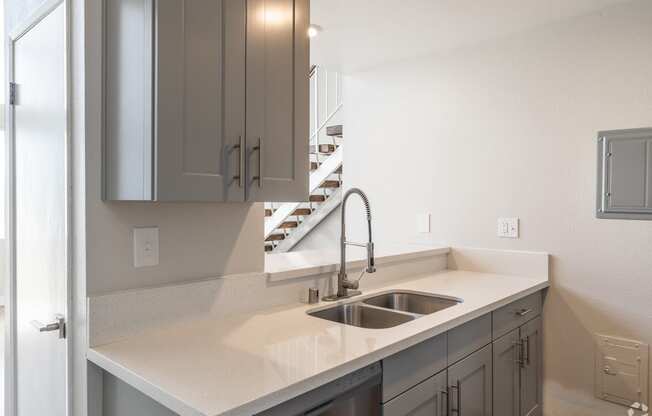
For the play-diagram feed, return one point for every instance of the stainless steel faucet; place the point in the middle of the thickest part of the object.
(343, 283)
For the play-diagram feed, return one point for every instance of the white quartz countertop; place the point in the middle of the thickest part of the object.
(245, 364)
(279, 266)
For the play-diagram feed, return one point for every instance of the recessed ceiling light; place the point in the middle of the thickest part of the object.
(314, 30)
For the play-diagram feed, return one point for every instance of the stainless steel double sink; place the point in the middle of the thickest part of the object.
(386, 310)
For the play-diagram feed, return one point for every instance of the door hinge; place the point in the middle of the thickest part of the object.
(12, 93)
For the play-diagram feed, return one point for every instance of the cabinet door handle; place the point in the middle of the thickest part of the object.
(523, 312)
(527, 350)
(240, 148)
(259, 148)
(458, 394)
(445, 410)
(519, 353)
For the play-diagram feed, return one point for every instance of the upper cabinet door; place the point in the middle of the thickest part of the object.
(200, 100)
(277, 100)
(127, 100)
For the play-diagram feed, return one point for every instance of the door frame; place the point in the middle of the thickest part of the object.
(11, 375)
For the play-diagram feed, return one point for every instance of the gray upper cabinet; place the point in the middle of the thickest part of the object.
(277, 99)
(625, 174)
(175, 88)
(470, 384)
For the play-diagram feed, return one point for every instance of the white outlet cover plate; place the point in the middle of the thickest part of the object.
(423, 223)
(508, 227)
(146, 246)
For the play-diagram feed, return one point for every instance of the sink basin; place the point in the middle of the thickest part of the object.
(362, 316)
(418, 303)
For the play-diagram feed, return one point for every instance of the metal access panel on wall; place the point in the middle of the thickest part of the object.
(625, 174)
(621, 370)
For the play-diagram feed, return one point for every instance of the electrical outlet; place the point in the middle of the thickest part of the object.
(508, 227)
(145, 246)
(423, 223)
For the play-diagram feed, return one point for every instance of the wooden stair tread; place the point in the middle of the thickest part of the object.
(275, 237)
(330, 184)
(268, 212)
(317, 198)
(302, 211)
(335, 131)
(289, 224)
(323, 148)
(269, 248)
(314, 165)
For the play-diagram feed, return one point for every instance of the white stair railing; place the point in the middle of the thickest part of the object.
(325, 105)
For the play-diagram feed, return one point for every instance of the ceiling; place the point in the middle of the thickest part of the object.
(364, 33)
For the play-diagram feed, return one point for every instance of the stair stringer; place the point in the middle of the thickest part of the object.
(312, 221)
(317, 177)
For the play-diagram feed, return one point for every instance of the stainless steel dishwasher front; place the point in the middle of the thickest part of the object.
(356, 394)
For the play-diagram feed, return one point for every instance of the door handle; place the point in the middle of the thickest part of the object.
(240, 148)
(527, 350)
(445, 410)
(458, 391)
(519, 353)
(58, 325)
(523, 312)
(259, 148)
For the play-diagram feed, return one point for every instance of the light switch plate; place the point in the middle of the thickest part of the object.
(145, 246)
(508, 227)
(423, 223)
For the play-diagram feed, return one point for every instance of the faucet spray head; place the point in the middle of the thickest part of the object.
(371, 260)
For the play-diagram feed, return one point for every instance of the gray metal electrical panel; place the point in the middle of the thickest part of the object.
(625, 174)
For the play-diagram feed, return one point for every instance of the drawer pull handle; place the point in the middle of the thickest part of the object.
(523, 312)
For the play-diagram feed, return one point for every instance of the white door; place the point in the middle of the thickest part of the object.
(39, 216)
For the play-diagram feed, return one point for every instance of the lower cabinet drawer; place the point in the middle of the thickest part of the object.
(425, 399)
(410, 367)
(516, 314)
(469, 337)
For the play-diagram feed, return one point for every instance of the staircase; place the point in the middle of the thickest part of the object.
(286, 224)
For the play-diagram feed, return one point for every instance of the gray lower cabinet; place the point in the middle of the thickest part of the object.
(425, 399)
(470, 384)
(411, 366)
(507, 375)
(531, 376)
(517, 374)
(205, 100)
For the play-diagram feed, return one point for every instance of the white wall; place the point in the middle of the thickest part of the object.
(508, 128)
